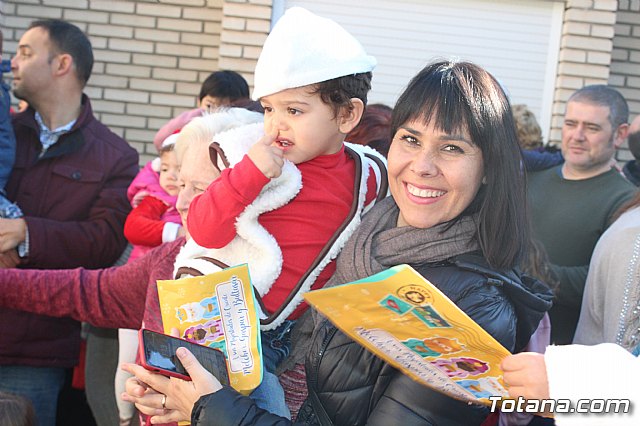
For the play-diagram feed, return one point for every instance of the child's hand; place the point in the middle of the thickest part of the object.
(137, 199)
(268, 159)
(526, 375)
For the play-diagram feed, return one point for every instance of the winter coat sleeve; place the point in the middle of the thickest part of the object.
(146, 180)
(7, 138)
(572, 281)
(228, 407)
(144, 225)
(578, 372)
(536, 160)
(212, 214)
(112, 297)
(93, 241)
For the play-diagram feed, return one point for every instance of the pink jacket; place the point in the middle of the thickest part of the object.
(148, 180)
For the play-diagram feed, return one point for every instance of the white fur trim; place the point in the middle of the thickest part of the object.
(253, 244)
(341, 240)
(170, 231)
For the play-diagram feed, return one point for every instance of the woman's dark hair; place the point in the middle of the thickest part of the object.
(462, 97)
(67, 38)
(16, 410)
(225, 84)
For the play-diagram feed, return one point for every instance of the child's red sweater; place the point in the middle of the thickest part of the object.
(301, 228)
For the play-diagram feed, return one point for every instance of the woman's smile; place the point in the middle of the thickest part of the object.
(424, 193)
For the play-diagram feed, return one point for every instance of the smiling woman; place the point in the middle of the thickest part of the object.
(457, 215)
(434, 175)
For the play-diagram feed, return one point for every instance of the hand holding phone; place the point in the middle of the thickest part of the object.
(158, 354)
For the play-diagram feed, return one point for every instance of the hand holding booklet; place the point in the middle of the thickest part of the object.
(404, 319)
(218, 310)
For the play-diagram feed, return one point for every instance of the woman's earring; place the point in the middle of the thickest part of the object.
(484, 180)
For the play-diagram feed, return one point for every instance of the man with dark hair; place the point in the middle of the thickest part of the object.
(70, 179)
(631, 169)
(572, 203)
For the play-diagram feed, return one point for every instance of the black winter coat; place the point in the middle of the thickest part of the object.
(348, 385)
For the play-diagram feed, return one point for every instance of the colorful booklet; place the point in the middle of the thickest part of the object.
(404, 319)
(218, 310)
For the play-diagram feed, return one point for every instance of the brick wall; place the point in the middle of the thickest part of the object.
(625, 61)
(150, 56)
(245, 25)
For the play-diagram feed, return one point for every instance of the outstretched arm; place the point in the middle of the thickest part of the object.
(113, 297)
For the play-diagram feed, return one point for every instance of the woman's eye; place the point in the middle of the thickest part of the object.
(293, 111)
(409, 139)
(453, 148)
(267, 108)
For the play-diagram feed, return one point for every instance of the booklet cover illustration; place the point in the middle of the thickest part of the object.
(405, 320)
(218, 310)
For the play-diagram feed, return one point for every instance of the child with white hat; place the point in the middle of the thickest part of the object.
(312, 79)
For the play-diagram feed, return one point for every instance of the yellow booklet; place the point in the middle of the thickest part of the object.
(218, 310)
(404, 319)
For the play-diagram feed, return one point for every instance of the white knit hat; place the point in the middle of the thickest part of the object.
(304, 48)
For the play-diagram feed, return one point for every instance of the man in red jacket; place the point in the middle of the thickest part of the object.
(70, 179)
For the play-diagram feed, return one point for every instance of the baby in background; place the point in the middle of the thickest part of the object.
(154, 220)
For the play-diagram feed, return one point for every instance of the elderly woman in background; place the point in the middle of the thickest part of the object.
(457, 215)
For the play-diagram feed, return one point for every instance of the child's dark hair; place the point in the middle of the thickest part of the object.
(225, 84)
(337, 92)
(16, 410)
(167, 148)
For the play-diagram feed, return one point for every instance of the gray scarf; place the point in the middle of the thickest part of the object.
(380, 244)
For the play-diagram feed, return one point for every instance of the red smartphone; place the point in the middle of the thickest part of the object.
(158, 354)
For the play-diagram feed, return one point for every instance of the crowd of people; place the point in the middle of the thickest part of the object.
(311, 187)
